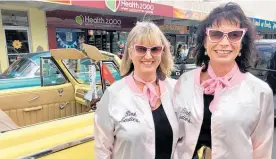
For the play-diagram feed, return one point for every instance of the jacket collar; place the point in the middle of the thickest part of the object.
(133, 86)
(237, 78)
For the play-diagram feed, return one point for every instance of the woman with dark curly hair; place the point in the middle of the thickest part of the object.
(224, 111)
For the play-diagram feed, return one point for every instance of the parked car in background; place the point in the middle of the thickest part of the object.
(54, 116)
(184, 65)
(264, 64)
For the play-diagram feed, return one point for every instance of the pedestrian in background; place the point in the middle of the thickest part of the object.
(135, 118)
(224, 111)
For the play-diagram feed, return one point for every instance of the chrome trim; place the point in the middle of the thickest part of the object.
(57, 148)
(61, 106)
(36, 97)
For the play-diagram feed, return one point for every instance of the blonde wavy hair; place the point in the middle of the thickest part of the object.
(147, 31)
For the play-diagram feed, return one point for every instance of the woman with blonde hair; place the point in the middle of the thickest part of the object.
(135, 118)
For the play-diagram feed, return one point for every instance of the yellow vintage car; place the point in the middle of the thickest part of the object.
(54, 119)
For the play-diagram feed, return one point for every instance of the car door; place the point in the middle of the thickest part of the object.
(53, 99)
(81, 90)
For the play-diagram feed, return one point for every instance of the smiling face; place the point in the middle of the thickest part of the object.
(223, 51)
(146, 64)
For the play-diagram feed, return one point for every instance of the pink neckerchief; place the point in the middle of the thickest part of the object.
(148, 90)
(215, 84)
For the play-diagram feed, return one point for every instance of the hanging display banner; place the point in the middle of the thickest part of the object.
(66, 44)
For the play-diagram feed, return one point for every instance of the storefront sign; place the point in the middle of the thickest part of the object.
(264, 24)
(188, 14)
(89, 21)
(98, 21)
(175, 29)
(134, 6)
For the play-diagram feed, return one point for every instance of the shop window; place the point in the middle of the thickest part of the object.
(110, 41)
(14, 18)
(17, 42)
(70, 38)
(15, 24)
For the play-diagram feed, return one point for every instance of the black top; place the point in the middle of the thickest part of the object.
(205, 131)
(163, 134)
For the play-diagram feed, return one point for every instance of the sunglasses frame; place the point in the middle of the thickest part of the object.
(148, 49)
(226, 34)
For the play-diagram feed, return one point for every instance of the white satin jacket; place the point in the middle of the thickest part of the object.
(241, 127)
(124, 126)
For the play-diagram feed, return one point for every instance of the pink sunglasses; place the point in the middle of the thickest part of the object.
(142, 50)
(233, 36)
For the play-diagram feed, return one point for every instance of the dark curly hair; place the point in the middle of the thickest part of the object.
(233, 13)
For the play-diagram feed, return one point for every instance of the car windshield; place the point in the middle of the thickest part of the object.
(264, 53)
(20, 68)
(79, 69)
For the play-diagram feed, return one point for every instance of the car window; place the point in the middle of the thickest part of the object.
(263, 56)
(191, 56)
(51, 74)
(37, 73)
(79, 69)
(20, 68)
(113, 70)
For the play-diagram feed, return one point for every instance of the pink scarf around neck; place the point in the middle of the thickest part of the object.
(149, 90)
(215, 84)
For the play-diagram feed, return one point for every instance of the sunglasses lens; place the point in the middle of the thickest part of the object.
(215, 35)
(141, 50)
(235, 36)
(156, 50)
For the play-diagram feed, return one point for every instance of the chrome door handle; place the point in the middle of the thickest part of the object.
(36, 97)
(32, 109)
(61, 106)
(60, 91)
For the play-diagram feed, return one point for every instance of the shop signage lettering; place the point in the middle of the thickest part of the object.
(130, 6)
(98, 21)
(265, 24)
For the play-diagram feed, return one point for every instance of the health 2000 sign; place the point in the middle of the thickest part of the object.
(98, 21)
(130, 6)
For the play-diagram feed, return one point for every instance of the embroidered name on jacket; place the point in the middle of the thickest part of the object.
(130, 117)
(185, 115)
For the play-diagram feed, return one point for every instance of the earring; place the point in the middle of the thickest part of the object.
(239, 54)
(205, 53)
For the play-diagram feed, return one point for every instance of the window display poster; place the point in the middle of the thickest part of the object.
(70, 38)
